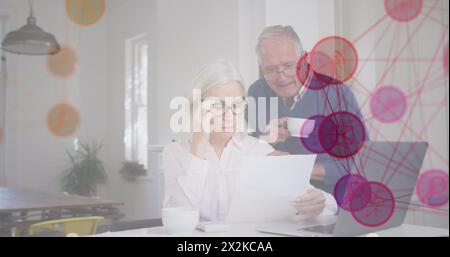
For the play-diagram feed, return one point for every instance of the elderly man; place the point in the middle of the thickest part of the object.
(279, 49)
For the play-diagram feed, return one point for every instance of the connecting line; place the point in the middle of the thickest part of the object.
(369, 29)
(332, 111)
(409, 116)
(422, 206)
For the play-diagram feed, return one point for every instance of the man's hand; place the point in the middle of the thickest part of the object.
(318, 173)
(310, 203)
(276, 131)
(278, 153)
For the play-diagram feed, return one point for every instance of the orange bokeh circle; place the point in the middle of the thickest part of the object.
(85, 12)
(63, 120)
(64, 63)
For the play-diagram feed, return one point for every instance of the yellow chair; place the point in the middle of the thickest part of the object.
(82, 226)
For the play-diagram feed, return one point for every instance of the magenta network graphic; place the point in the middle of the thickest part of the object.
(342, 134)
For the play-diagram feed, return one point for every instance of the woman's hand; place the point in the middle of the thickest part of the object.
(318, 173)
(310, 203)
(199, 138)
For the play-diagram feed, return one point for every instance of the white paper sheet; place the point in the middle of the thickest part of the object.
(266, 186)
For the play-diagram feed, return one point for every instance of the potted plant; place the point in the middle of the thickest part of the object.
(85, 172)
(130, 170)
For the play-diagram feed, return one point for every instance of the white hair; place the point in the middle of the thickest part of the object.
(216, 74)
(276, 32)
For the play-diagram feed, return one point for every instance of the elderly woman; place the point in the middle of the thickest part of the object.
(199, 170)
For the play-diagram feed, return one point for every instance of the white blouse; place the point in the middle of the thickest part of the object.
(207, 185)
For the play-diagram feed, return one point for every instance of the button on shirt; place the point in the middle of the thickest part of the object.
(207, 184)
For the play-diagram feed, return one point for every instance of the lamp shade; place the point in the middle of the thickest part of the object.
(30, 40)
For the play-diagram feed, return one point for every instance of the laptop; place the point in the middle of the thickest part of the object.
(393, 164)
(266, 186)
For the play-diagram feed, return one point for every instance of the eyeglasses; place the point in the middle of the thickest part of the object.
(219, 107)
(272, 73)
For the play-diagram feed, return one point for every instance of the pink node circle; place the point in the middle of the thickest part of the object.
(312, 142)
(344, 189)
(342, 134)
(336, 58)
(377, 201)
(302, 68)
(432, 188)
(388, 104)
(403, 10)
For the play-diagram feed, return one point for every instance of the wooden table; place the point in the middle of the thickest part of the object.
(16, 204)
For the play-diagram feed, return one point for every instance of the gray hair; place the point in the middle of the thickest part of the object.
(214, 75)
(274, 33)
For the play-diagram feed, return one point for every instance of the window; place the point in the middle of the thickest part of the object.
(136, 99)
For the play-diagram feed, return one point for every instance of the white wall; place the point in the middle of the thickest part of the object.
(252, 20)
(312, 20)
(191, 34)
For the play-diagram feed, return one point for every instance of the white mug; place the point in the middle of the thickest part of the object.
(180, 220)
(300, 127)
